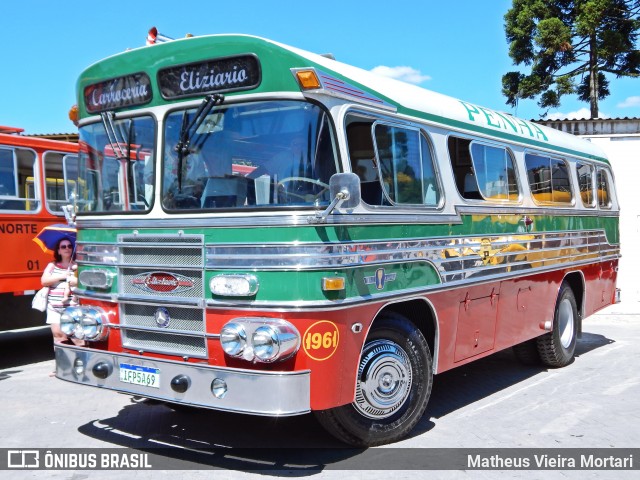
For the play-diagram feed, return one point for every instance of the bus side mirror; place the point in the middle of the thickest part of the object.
(348, 183)
(70, 210)
(345, 192)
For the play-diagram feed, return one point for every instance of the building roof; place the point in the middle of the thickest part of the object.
(595, 126)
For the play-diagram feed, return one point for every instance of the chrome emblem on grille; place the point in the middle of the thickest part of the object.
(162, 282)
(162, 317)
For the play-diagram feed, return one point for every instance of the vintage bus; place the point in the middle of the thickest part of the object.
(37, 176)
(268, 231)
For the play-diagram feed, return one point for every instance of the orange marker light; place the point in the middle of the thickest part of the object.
(73, 115)
(333, 283)
(308, 79)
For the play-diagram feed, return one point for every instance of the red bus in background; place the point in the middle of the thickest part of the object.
(37, 178)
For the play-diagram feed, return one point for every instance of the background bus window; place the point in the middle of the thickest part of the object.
(548, 179)
(494, 171)
(406, 166)
(61, 176)
(585, 181)
(16, 177)
(604, 199)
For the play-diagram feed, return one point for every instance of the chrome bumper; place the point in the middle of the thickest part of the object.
(248, 391)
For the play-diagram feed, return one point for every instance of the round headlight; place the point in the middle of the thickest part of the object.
(94, 324)
(265, 343)
(69, 319)
(233, 339)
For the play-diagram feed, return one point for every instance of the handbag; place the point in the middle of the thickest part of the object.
(40, 299)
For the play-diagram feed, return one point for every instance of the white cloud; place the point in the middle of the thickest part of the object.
(405, 74)
(629, 102)
(576, 115)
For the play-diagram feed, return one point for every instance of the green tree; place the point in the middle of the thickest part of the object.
(570, 45)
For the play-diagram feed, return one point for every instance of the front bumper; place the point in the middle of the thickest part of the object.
(248, 391)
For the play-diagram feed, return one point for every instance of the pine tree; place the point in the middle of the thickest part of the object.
(570, 45)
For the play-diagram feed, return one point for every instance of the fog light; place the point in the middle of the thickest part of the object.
(78, 367)
(101, 370)
(234, 285)
(96, 278)
(180, 383)
(218, 388)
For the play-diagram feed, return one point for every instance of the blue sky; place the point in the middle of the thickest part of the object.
(457, 48)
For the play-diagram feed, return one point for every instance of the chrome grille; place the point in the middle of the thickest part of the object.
(186, 319)
(162, 256)
(178, 337)
(177, 257)
(165, 343)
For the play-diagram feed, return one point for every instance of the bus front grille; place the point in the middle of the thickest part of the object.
(161, 272)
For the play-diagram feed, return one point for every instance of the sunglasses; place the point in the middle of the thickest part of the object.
(64, 247)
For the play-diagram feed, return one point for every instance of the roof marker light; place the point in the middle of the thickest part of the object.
(308, 79)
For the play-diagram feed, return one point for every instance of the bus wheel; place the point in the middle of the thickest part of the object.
(557, 347)
(392, 390)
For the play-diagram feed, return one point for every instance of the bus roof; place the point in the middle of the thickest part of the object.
(275, 58)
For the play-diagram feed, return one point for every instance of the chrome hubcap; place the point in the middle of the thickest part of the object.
(565, 323)
(384, 379)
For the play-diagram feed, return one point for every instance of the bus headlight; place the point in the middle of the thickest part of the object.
(94, 324)
(233, 339)
(69, 318)
(85, 323)
(262, 339)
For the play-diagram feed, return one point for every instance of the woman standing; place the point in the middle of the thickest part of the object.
(60, 277)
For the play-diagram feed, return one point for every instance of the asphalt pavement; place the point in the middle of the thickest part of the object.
(494, 403)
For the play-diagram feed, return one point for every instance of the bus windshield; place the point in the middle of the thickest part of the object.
(258, 154)
(115, 170)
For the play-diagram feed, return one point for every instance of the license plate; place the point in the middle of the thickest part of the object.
(137, 375)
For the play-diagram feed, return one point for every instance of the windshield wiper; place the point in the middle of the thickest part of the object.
(112, 136)
(187, 130)
(121, 149)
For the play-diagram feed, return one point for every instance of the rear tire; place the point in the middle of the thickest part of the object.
(558, 347)
(393, 386)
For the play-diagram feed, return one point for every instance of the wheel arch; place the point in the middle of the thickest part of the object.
(421, 313)
(576, 282)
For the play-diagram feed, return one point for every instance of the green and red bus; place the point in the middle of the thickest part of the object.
(269, 231)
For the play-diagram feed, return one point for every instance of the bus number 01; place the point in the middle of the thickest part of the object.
(33, 265)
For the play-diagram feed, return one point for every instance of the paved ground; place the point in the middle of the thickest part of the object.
(493, 403)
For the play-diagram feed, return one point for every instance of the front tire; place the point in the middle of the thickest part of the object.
(393, 386)
(558, 347)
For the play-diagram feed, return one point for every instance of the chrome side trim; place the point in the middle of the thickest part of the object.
(281, 393)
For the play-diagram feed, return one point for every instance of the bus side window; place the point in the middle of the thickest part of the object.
(548, 179)
(363, 163)
(495, 172)
(584, 172)
(16, 179)
(56, 196)
(406, 166)
(463, 172)
(604, 199)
